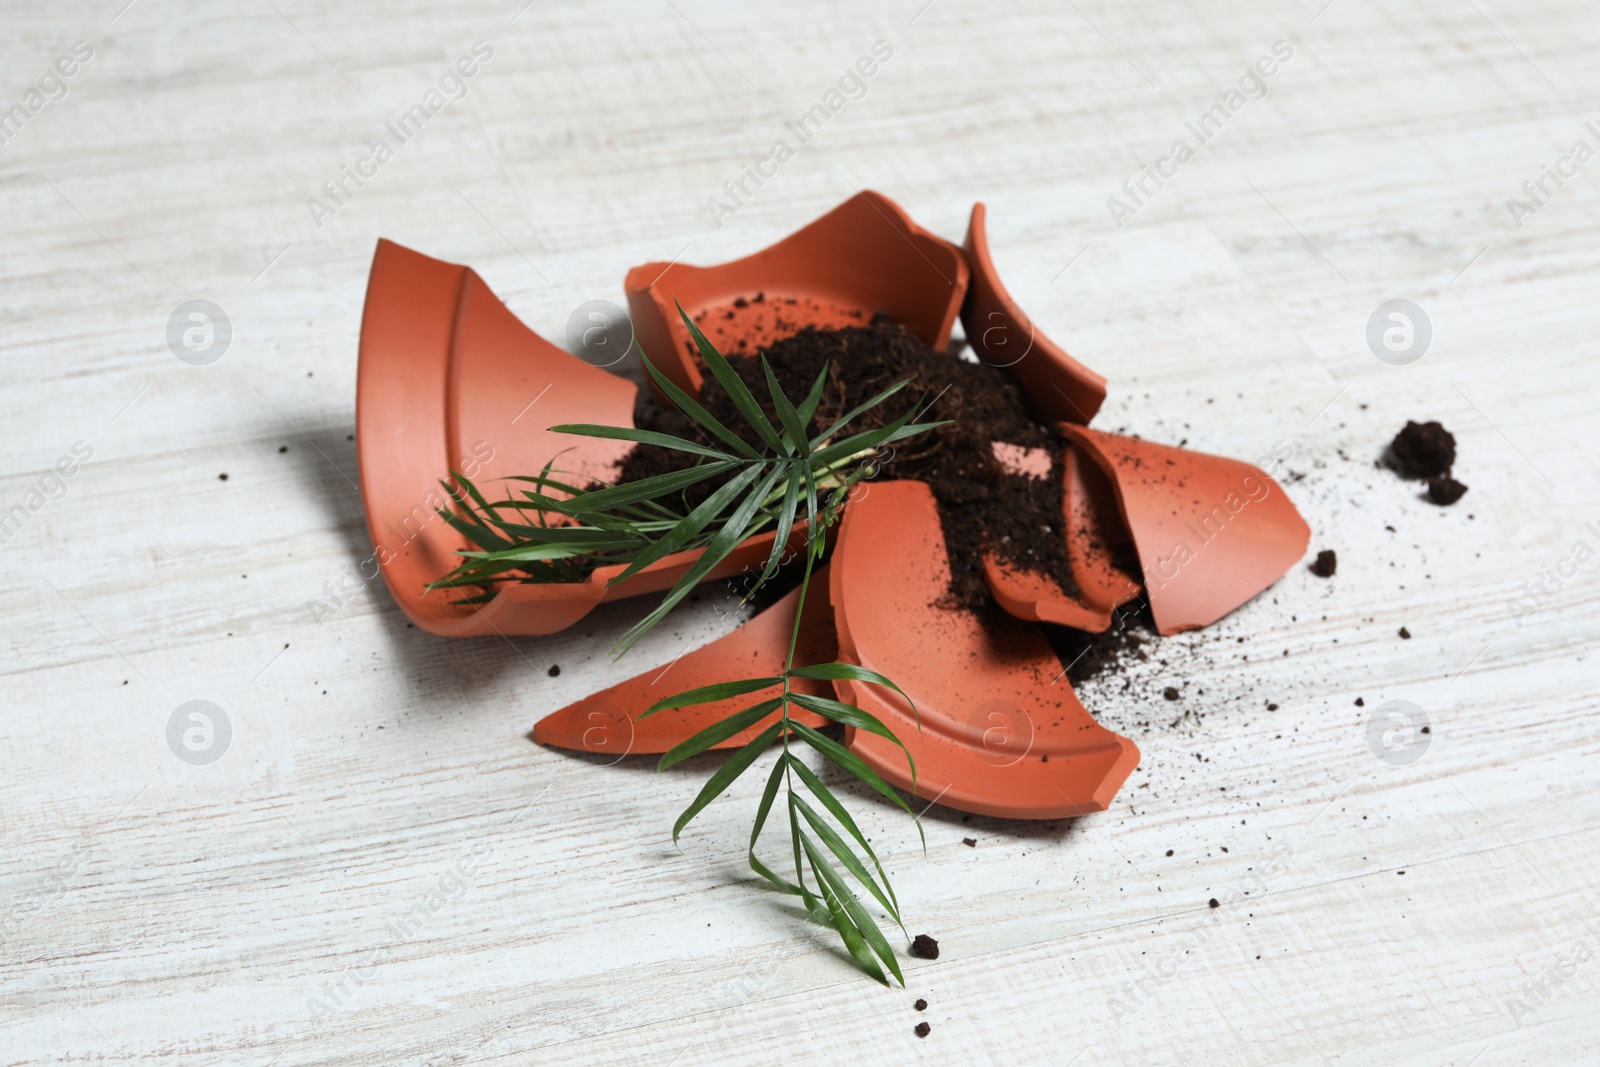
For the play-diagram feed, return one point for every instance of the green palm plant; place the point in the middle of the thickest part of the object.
(770, 473)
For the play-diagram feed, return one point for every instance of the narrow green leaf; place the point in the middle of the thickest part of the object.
(838, 891)
(734, 386)
(794, 839)
(531, 551)
(767, 796)
(692, 408)
(680, 535)
(836, 917)
(849, 761)
(851, 715)
(777, 880)
(475, 532)
(846, 856)
(853, 941)
(647, 488)
(850, 672)
(707, 694)
(726, 539)
(814, 528)
(865, 441)
(736, 765)
(718, 732)
(643, 437)
(780, 542)
(865, 406)
(794, 431)
(831, 802)
(808, 406)
(471, 489)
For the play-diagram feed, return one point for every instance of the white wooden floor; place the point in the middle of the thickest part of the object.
(383, 869)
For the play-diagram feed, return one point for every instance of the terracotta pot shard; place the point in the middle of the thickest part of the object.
(1210, 532)
(608, 722)
(1002, 732)
(1095, 541)
(864, 256)
(449, 379)
(1002, 335)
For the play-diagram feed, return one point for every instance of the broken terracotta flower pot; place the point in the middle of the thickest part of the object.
(1001, 731)
(1096, 544)
(608, 722)
(1210, 532)
(1060, 388)
(864, 256)
(450, 380)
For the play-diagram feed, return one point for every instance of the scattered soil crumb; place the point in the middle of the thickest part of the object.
(1422, 450)
(1326, 563)
(1445, 490)
(921, 1005)
(924, 947)
(921, 1029)
(1426, 451)
(1405, 634)
(970, 842)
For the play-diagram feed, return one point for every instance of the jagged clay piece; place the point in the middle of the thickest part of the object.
(864, 256)
(1094, 539)
(1002, 732)
(1099, 550)
(608, 722)
(1002, 335)
(449, 379)
(1210, 532)
(1038, 598)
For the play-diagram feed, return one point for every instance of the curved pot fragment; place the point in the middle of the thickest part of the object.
(1002, 732)
(1002, 335)
(1036, 597)
(449, 379)
(1210, 532)
(864, 256)
(1096, 542)
(608, 722)
(1099, 549)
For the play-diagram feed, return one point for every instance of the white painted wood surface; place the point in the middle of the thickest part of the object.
(156, 911)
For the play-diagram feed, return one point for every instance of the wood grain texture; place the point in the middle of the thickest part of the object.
(383, 840)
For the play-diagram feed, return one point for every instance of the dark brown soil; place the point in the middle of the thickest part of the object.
(921, 1005)
(1086, 655)
(922, 1029)
(1445, 490)
(1422, 450)
(924, 947)
(1405, 634)
(1171, 693)
(981, 505)
(1327, 562)
(1426, 451)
